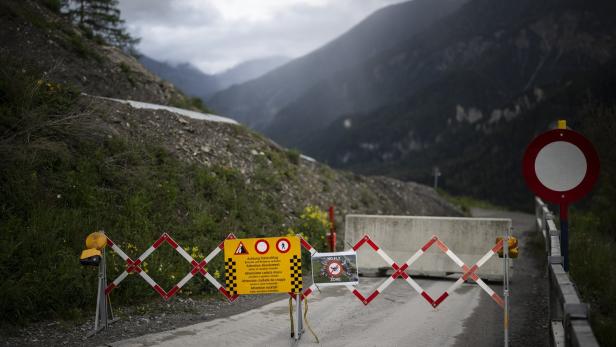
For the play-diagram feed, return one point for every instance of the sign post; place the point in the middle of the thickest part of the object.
(561, 166)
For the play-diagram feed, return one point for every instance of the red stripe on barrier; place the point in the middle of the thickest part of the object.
(171, 242)
(221, 245)
(470, 272)
(363, 299)
(305, 244)
(194, 263)
(226, 294)
(172, 292)
(427, 297)
(442, 246)
(160, 291)
(498, 246)
(359, 296)
(498, 300)
(371, 297)
(110, 243)
(159, 241)
(372, 244)
(109, 288)
(399, 271)
(429, 243)
(360, 243)
(440, 299)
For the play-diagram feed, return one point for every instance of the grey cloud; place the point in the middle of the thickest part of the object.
(180, 31)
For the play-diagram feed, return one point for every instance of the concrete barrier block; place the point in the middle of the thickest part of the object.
(401, 236)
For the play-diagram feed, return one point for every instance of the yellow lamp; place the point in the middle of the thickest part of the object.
(96, 240)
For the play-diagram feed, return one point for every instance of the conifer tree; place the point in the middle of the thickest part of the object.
(101, 19)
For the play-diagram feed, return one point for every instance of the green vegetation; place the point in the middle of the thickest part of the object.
(190, 103)
(592, 256)
(593, 229)
(466, 203)
(61, 181)
(294, 155)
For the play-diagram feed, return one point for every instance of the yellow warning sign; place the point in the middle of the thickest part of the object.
(263, 265)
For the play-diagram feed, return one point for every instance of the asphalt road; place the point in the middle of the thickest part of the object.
(397, 317)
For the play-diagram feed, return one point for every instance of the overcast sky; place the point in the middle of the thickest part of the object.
(216, 34)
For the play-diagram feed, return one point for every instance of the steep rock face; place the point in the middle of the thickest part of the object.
(509, 47)
(39, 38)
(454, 94)
(257, 102)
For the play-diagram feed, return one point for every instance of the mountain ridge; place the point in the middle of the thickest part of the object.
(256, 102)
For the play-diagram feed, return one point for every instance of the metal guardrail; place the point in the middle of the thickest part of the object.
(569, 316)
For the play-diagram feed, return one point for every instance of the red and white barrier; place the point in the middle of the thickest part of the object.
(399, 270)
(198, 267)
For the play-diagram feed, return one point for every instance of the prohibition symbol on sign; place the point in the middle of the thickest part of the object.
(261, 246)
(334, 268)
(283, 245)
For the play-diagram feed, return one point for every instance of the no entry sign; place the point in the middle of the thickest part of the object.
(561, 166)
(263, 265)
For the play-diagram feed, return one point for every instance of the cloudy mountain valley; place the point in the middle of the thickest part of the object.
(255, 119)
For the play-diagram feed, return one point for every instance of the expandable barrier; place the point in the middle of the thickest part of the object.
(399, 270)
(134, 266)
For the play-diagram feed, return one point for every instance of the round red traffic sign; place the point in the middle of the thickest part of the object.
(283, 245)
(261, 246)
(560, 166)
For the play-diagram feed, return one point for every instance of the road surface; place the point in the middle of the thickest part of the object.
(397, 317)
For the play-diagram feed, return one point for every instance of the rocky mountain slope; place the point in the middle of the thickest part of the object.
(469, 94)
(465, 92)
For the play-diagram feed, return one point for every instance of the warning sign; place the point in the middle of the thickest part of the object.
(331, 269)
(241, 249)
(263, 265)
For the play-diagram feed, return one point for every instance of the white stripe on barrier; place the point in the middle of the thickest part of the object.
(185, 280)
(385, 284)
(120, 278)
(485, 287)
(414, 257)
(454, 258)
(414, 284)
(485, 258)
(119, 252)
(147, 253)
(213, 280)
(184, 254)
(212, 255)
(147, 278)
(385, 257)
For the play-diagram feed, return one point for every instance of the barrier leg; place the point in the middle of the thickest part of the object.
(299, 326)
(506, 287)
(104, 314)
